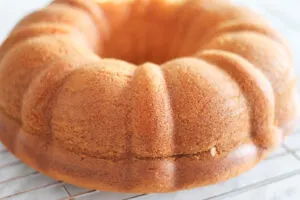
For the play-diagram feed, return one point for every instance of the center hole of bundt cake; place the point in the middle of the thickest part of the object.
(150, 32)
(139, 45)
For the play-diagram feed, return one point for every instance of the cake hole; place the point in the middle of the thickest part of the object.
(150, 32)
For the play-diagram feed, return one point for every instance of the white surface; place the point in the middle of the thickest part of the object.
(298, 153)
(282, 190)
(6, 158)
(293, 142)
(278, 152)
(277, 178)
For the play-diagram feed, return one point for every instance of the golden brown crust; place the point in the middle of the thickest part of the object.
(75, 17)
(101, 94)
(126, 175)
(179, 123)
(35, 30)
(27, 59)
(258, 92)
(202, 107)
(151, 104)
(272, 59)
(42, 92)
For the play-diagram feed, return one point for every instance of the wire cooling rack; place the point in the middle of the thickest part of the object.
(276, 178)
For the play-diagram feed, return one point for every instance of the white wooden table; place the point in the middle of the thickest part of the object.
(277, 178)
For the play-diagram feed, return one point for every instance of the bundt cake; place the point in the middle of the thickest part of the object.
(144, 95)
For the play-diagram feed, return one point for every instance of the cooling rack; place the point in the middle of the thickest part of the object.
(276, 178)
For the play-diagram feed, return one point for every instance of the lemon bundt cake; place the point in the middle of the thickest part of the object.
(144, 95)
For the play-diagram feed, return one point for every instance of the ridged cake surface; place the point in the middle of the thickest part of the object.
(144, 96)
